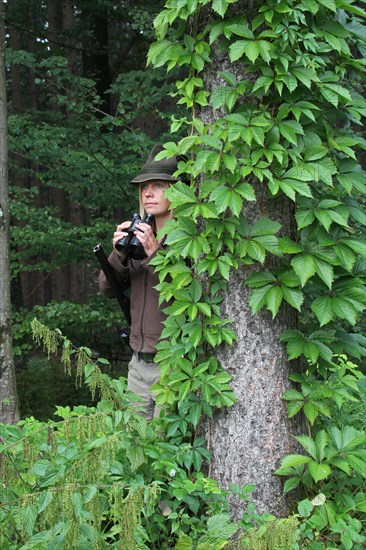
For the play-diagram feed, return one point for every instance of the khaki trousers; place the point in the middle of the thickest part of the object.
(141, 376)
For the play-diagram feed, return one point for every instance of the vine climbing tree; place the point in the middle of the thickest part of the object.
(270, 224)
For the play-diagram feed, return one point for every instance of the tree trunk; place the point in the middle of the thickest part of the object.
(8, 395)
(95, 53)
(248, 440)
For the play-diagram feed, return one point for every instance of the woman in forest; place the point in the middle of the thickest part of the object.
(146, 315)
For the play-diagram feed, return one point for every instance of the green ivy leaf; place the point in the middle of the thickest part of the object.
(325, 272)
(180, 194)
(319, 471)
(311, 412)
(304, 218)
(289, 129)
(304, 266)
(237, 49)
(252, 50)
(293, 296)
(258, 298)
(322, 307)
(220, 7)
(260, 279)
(274, 299)
(265, 226)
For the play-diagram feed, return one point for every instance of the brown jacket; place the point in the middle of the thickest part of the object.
(146, 314)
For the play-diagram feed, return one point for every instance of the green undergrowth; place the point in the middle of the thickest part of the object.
(101, 477)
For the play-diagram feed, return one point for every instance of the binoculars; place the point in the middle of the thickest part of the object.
(130, 245)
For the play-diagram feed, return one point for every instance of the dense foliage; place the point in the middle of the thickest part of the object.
(288, 119)
(101, 477)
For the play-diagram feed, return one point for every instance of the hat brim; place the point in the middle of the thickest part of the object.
(141, 178)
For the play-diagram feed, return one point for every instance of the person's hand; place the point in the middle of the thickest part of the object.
(120, 232)
(146, 236)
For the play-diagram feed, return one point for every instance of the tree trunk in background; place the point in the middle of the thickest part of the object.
(77, 273)
(95, 53)
(248, 440)
(8, 395)
(58, 282)
(32, 282)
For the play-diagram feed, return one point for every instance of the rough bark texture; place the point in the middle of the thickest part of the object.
(8, 397)
(248, 440)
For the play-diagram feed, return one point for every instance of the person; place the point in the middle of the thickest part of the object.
(147, 316)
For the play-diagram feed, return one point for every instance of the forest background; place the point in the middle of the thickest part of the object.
(83, 111)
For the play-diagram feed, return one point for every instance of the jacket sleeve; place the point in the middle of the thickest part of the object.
(121, 272)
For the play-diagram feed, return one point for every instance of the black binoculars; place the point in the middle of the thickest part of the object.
(130, 244)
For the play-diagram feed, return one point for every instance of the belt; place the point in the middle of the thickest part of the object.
(147, 357)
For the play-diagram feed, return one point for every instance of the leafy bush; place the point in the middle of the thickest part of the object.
(332, 473)
(101, 477)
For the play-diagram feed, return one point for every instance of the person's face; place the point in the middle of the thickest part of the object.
(152, 197)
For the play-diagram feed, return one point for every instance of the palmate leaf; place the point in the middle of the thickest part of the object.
(310, 346)
(291, 484)
(180, 193)
(220, 525)
(322, 170)
(270, 291)
(291, 461)
(347, 438)
(304, 266)
(325, 272)
(311, 412)
(260, 279)
(305, 75)
(251, 248)
(292, 186)
(354, 344)
(329, 4)
(345, 309)
(304, 218)
(265, 226)
(288, 246)
(219, 6)
(262, 82)
(225, 197)
(236, 50)
(252, 50)
(322, 307)
(258, 298)
(293, 296)
(319, 471)
(324, 218)
(358, 246)
(315, 152)
(289, 129)
(220, 96)
(294, 407)
(274, 299)
(246, 191)
(293, 395)
(208, 210)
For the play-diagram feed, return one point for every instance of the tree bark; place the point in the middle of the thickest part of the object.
(8, 395)
(248, 440)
